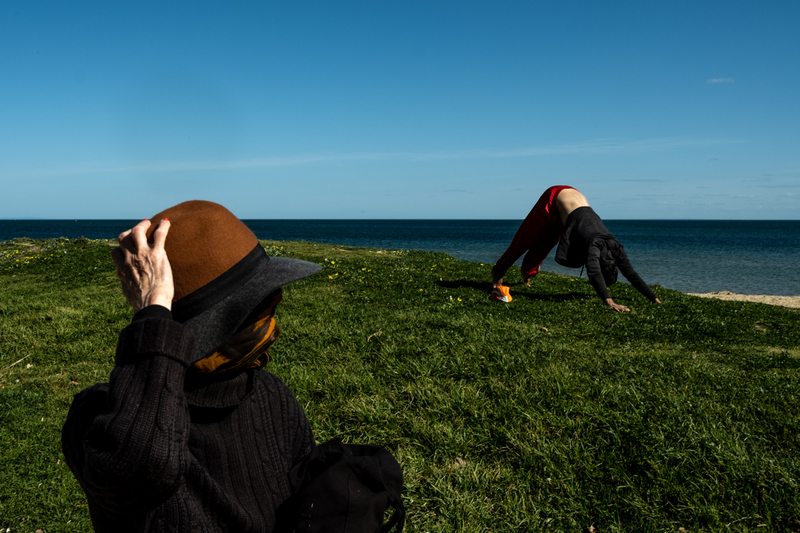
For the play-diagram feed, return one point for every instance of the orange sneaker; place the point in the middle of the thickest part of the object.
(501, 294)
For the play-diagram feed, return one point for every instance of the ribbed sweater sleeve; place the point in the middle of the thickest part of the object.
(595, 275)
(626, 269)
(126, 441)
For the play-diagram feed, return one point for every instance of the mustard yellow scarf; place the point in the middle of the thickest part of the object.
(249, 346)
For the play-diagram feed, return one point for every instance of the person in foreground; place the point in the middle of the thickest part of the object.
(189, 433)
(562, 216)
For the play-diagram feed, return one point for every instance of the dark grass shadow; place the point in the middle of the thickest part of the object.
(483, 286)
(565, 297)
(486, 287)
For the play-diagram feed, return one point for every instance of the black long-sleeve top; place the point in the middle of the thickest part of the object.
(587, 241)
(159, 449)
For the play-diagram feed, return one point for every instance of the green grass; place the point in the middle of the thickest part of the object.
(549, 413)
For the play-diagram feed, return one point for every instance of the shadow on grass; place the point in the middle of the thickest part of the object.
(551, 297)
(485, 286)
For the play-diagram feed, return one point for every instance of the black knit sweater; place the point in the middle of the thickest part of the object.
(159, 449)
(586, 241)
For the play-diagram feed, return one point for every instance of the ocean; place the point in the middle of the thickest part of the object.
(743, 256)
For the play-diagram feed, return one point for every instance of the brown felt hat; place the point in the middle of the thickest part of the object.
(220, 270)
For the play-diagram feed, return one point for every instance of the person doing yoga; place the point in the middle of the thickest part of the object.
(562, 216)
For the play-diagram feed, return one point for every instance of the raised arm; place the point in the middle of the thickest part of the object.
(126, 441)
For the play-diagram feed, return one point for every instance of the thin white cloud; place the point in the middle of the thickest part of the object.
(600, 146)
(721, 80)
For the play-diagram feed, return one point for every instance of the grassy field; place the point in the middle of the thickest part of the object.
(549, 413)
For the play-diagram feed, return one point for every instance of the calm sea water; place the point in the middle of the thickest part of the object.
(750, 257)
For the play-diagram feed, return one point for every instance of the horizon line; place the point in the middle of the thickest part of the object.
(36, 219)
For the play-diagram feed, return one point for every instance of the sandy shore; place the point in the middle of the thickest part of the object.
(785, 301)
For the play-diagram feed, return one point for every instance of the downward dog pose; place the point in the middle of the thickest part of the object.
(563, 214)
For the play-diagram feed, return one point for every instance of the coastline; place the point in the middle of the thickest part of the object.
(784, 301)
(683, 255)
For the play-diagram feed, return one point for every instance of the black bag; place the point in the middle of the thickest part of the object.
(343, 488)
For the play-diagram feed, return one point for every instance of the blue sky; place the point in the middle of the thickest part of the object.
(400, 109)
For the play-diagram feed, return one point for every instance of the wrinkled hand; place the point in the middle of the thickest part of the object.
(615, 307)
(142, 268)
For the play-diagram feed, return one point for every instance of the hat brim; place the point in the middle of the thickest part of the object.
(212, 327)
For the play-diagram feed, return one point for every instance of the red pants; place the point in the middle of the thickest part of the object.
(538, 234)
